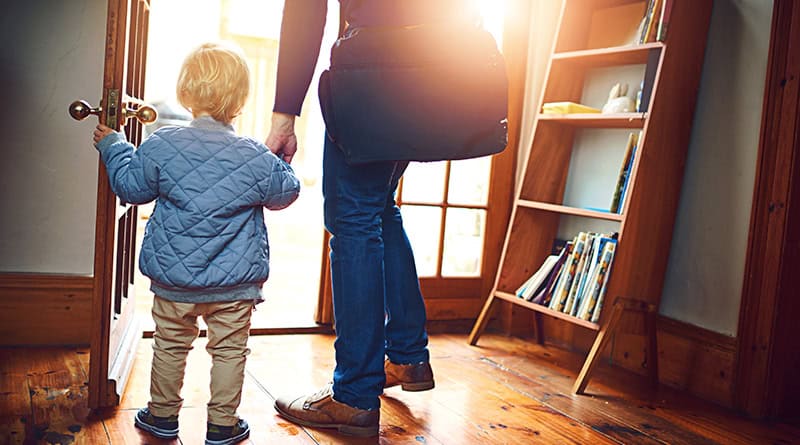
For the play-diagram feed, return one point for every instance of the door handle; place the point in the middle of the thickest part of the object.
(143, 113)
(80, 110)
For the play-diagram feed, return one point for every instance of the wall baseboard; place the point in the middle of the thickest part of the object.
(690, 358)
(43, 309)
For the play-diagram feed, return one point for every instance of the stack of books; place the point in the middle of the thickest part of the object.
(574, 279)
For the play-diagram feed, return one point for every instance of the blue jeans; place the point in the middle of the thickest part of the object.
(377, 303)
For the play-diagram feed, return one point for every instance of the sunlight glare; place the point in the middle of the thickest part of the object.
(493, 14)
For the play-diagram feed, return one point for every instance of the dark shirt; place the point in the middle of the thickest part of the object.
(304, 22)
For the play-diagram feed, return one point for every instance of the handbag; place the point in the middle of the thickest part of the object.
(417, 93)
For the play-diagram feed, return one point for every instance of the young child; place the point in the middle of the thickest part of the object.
(205, 246)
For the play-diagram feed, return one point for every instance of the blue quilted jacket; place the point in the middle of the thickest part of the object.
(206, 239)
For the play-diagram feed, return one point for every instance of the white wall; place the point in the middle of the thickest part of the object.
(704, 277)
(52, 54)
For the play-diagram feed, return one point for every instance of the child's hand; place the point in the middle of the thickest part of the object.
(100, 132)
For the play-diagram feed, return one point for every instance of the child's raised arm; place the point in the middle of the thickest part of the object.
(133, 177)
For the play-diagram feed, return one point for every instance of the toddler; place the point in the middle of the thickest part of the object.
(205, 246)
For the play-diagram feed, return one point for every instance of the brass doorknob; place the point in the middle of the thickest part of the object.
(80, 110)
(143, 113)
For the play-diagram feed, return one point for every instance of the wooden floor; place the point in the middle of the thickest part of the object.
(505, 391)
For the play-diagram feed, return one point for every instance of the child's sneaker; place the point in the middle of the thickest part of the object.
(227, 435)
(161, 427)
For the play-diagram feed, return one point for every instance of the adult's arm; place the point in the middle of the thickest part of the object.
(301, 36)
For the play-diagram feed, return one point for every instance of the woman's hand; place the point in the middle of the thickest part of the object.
(100, 132)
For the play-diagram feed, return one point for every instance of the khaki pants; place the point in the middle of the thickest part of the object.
(176, 328)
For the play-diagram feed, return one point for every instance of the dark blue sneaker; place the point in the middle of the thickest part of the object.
(227, 435)
(161, 427)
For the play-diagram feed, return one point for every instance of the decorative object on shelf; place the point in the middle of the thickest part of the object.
(567, 108)
(618, 101)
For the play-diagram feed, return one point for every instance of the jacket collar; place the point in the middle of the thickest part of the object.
(209, 123)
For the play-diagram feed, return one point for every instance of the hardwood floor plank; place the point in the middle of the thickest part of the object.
(59, 399)
(15, 400)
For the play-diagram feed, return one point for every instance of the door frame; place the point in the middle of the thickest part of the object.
(769, 305)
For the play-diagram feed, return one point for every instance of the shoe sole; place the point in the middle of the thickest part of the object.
(420, 386)
(231, 440)
(350, 430)
(157, 432)
(414, 387)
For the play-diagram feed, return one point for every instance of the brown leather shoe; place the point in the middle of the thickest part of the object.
(320, 410)
(413, 377)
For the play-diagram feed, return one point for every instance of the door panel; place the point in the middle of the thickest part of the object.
(116, 331)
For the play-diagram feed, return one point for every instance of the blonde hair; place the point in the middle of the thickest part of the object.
(214, 80)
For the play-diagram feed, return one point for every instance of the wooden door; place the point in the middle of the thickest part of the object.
(115, 330)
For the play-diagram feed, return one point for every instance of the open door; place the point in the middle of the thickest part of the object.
(115, 331)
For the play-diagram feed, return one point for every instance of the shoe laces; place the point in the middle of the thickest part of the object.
(323, 392)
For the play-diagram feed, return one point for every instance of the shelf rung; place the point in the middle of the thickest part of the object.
(618, 55)
(555, 208)
(546, 310)
(597, 120)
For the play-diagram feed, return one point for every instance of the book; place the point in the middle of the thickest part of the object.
(601, 295)
(615, 26)
(535, 282)
(591, 272)
(580, 273)
(629, 168)
(538, 294)
(568, 274)
(652, 26)
(624, 171)
(567, 108)
(544, 296)
(597, 281)
(653, 59)
(663, 24)
(645, 23)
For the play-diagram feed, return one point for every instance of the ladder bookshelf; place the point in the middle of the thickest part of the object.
(542, 212)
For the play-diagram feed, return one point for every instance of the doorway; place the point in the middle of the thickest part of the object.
(295, 233)
(454, 261)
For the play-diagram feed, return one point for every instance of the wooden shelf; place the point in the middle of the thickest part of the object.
(671, 79)
(556, 208)
(597, 120)
(620, 55)
(546, 310)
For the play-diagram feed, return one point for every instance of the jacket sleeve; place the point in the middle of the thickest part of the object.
(133, 176)
(301, 37)
(279, 187)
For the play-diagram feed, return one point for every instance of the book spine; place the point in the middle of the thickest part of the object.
(569, 273)
(597, 282)
(602, 294)
(646, 21)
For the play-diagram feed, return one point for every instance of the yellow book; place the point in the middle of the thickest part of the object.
(566, 108)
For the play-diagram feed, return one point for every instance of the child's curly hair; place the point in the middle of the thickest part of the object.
(214, 80)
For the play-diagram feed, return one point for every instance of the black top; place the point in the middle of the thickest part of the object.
(304, 22)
